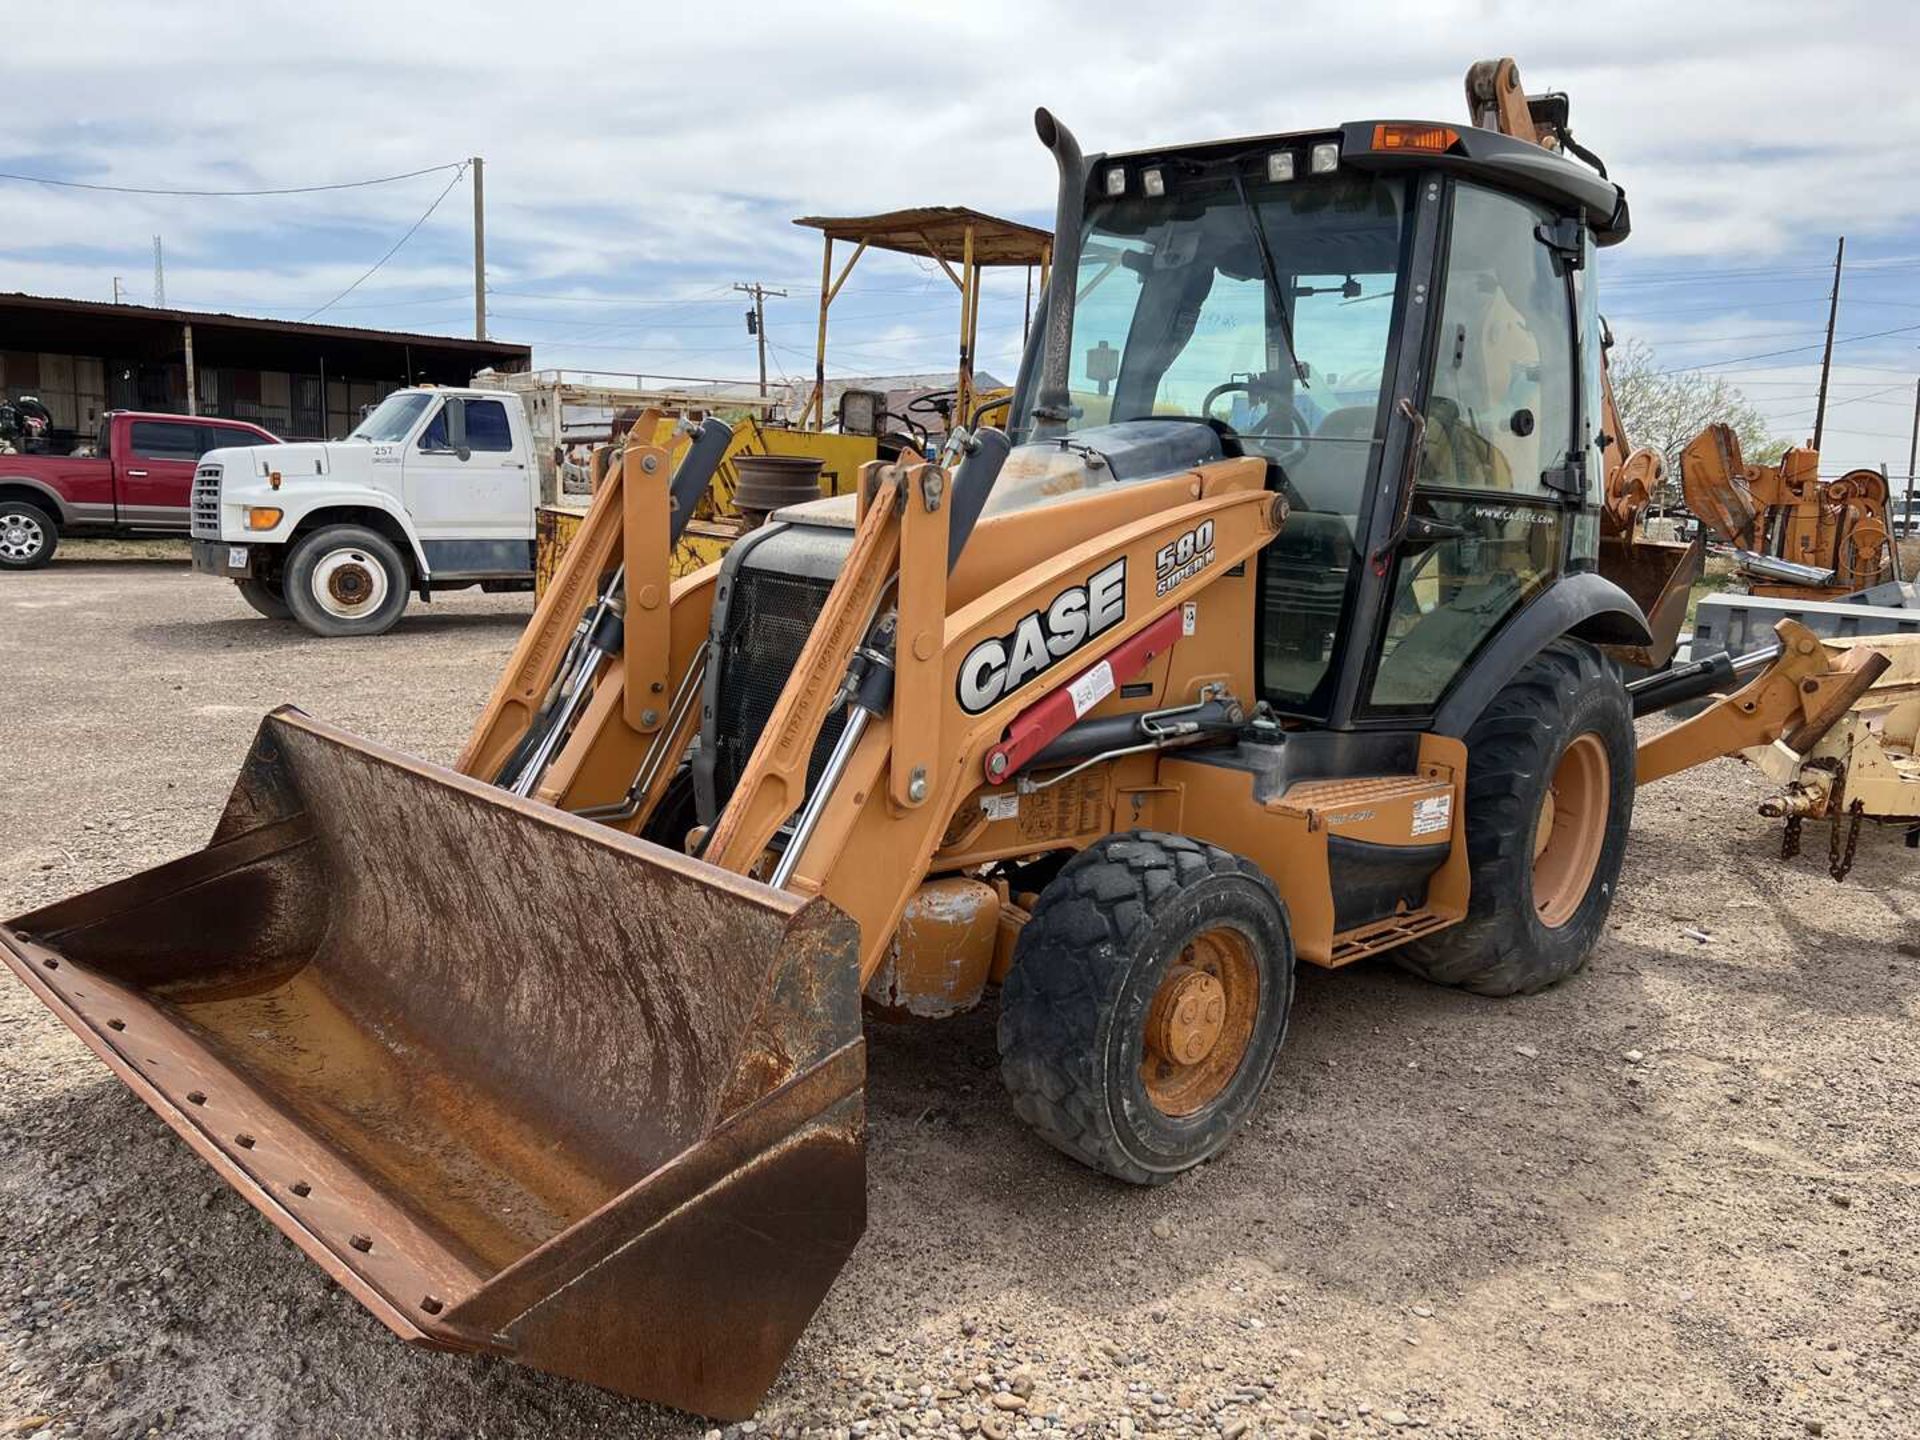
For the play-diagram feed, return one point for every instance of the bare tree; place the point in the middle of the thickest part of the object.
(1665, 409)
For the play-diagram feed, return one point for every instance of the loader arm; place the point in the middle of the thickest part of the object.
(1799, 696)
(869, 853)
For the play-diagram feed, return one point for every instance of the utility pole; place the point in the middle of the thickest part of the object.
(159, 277)
(116, 289)
(479, 249)
(1910, 522)
(757, 322)
(1826, 359)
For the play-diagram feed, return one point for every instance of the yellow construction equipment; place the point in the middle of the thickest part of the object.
(1273, 627)
(769, 457)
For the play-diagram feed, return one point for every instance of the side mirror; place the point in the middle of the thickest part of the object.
(457, 429)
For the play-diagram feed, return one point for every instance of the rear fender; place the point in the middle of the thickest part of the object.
(40, 492)
(1585, 606)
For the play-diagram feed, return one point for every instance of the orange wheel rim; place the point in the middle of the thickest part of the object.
(1200, 1022)
(1571, 830)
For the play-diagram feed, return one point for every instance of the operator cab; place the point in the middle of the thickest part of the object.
(1329, 302)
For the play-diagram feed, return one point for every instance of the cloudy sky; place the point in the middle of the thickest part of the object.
(637, 165)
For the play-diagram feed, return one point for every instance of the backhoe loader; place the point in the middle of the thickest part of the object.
(1271, 628)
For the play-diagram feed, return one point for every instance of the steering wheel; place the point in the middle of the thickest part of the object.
(1283, 417)
(935, 402)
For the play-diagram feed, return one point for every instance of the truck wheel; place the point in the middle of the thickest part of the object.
(28, 536)
(1549, 797)
(1146, 1005)
(265, 596)
(346, 580)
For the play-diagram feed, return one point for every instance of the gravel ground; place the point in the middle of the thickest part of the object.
(1674, 1197)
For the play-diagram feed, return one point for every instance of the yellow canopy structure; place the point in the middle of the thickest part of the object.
(964, 242)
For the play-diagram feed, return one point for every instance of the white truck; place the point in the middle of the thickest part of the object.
(434, 490)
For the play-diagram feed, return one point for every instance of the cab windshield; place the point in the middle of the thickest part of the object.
(1267, 310)
(1174, 316)
(392, 418)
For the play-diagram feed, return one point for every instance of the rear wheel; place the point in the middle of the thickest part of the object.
(28, 536)
(346, 580)
(1549, 798)
(1146, 1005)
(265, 596)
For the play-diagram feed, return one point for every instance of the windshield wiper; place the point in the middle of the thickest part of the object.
(1274, 297)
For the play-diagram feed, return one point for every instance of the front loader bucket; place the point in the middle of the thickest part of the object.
(519, 1083)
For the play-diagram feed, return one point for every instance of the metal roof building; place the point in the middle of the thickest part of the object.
(301, 381)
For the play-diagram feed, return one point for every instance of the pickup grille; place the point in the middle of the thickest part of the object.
(206, 503)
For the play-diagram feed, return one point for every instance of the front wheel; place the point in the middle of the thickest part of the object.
(266, 597)
(346, 580)
(1146, 1005)
(28, 536)
(1550, 784)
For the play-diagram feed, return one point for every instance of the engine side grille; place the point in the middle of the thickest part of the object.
(767, 623)
(206, 503)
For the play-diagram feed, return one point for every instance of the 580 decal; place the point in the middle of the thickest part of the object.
(1001, 664)
(1184, 558)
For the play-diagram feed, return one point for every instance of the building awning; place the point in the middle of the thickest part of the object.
(940, 231)
(146, 332)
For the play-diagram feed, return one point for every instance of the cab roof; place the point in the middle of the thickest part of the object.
(1470, 152)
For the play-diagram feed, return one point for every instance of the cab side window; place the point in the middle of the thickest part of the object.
(487, 426)
(1499, 417)
(158, 440)
(224, 437)
(1501, 409)
(434, 437)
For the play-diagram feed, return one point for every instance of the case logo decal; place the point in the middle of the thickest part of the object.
(1001, 664)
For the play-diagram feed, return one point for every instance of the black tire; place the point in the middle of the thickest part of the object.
(346, 580)
(266, 597)
(1075, 1008)
(676, 814)
(28, 535)
(1504, 946)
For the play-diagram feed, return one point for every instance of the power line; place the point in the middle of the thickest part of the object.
(230, 194)
(1793, 350)
(395, 249)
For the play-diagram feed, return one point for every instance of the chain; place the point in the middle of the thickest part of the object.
(1839, 862)
(1790, 838)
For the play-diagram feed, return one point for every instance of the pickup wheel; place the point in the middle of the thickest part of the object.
(346, 580)
(266, 597)
(28, 536)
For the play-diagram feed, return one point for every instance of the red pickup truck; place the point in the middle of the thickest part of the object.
(138, 481)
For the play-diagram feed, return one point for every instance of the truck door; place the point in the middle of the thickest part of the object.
(153, 472)
(1497, 484)
(465, 477)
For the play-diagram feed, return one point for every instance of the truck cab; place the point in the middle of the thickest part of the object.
(434, 490)
(134, 481)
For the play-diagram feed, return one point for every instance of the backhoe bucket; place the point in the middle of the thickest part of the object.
(1659, 576)
(519, 1083)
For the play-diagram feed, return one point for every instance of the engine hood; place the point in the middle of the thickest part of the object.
(300, 458)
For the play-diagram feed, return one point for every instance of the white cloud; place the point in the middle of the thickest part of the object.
(647, 150)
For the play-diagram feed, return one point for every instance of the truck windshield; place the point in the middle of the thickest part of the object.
(392, 418)
(1175, 316)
